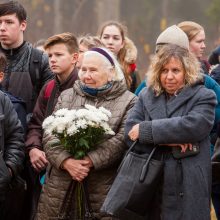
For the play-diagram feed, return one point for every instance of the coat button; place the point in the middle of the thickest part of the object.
(181, 194)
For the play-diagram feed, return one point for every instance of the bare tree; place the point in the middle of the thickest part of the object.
(107, 10)
(58, 16)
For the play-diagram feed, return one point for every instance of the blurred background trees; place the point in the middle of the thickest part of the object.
(145, 19)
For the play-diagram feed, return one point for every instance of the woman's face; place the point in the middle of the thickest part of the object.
(93, 72)
(197, 44)
(172, 77)
(82, 49)
(112, 39)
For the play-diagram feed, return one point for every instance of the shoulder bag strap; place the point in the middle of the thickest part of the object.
(128, 151)
(88, 209)
(66, 207)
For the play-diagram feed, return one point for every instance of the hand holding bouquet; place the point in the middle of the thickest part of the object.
(79, 132)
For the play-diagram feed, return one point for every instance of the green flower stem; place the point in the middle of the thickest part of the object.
(79, 199)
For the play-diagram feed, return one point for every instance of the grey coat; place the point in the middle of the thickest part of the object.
(185, 118)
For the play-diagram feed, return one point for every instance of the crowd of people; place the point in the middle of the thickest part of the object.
(176, 107)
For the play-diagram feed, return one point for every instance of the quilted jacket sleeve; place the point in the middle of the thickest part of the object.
(113, 148)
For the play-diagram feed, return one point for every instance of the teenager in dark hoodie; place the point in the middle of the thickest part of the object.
(62, 50)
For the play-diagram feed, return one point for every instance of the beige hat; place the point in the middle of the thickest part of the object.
(173, 35)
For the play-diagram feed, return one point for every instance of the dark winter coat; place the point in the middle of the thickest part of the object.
(214, 57)
(17, 78)
(185, 118)
(11, 144)
(105, 158)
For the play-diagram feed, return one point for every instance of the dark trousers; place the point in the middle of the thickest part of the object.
(216, 199)
(13, 205)
(32, 194)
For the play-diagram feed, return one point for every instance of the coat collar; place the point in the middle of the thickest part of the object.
(159, 106)
(118, 88)
(14, 51)
(69, 82)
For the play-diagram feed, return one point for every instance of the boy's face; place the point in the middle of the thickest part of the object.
(60, 60)
(11, 31)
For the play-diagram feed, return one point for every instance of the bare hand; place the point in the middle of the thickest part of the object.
(38, 159)
(78, 169)
(185, 146)
(90, 164)
(134, 132)
(182, 146)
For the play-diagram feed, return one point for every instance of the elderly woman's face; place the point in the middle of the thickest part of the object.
(94, 73)
(172, 77)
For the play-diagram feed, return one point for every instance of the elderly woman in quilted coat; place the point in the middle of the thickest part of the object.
(101, 83)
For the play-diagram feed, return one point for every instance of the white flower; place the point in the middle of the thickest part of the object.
(83, 113)
(82, 123)
(70, 122)
(90, 107)
(71, 114)
(105, 111)
(47, 122)
(72, 130)
(107, 129)
(61, 112)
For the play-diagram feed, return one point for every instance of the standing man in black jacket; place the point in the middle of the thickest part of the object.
(19, 80)
(26, 72)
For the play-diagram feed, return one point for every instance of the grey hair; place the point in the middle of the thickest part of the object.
(117, 69)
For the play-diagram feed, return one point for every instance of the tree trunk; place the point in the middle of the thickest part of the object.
(107, 10)
(57, 17)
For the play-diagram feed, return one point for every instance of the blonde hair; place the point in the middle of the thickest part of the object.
(189, 62)
(90, 41)
(190, 28)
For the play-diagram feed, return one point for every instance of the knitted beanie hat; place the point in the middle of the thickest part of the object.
(173, 35)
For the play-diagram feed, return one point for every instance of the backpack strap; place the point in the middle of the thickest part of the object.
(50, 94)
(49, 87)
(34, 68)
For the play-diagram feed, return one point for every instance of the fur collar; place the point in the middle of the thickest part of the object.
(131, 51)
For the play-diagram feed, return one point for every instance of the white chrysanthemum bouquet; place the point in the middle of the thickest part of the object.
(79, 131)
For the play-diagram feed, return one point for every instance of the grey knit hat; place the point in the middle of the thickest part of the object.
(173, 35)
